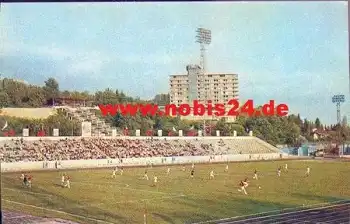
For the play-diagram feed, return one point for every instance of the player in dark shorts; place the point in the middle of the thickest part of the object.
(192, 173)
(255, 175)
(242, 186)
(279, 171)
(25, 180)
(245, 182)
(29, 181)
(145, 176)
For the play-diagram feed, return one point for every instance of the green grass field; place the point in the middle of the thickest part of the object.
(177, 198)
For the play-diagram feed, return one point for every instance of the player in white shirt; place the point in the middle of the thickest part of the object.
(192, 165)
(121, 171)
(279, 171)
(286, 167)
(211, 176)
(307, 171)
(67, 182)
(155, 180)
(242, 187)
(226, 168)
(146, 176)
(255, 175)
(22, 176)
(63, 179)
(246, 183)
(114, 173)
(184, 168)
(29, 181)
(168, 171)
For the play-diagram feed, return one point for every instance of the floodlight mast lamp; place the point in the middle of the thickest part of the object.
(203, 38)
(338, 99)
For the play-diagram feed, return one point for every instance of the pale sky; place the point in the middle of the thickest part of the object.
(293, 52)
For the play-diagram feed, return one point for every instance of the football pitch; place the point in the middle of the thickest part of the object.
(95, 197)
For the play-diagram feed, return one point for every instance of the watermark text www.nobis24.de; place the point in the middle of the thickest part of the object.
(232, 108)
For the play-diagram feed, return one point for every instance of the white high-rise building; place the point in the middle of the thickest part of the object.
(217, 87)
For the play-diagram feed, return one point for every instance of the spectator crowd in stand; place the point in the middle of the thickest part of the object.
(98, 148)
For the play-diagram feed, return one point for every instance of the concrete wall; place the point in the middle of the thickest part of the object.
(78, 164)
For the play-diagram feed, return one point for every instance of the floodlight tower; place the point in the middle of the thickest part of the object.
(203, 38)
(338, 99)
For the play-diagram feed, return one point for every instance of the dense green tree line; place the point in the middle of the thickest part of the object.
(291, 130)
(65, 126)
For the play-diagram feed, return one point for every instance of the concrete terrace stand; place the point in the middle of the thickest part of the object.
(99, 163)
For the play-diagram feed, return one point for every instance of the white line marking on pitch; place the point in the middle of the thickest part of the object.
(57, 211)
(17, 217)
(127, 188)
(311, 215)
(285, 213)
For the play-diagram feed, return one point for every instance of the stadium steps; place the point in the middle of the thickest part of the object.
(268, 146)
(98, 126)
(249, 145)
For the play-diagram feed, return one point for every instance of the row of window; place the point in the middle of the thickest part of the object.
(205, 80)
(217, 87)
(202, 86)
(222, 75)
(203, 97)
(205, 92)
(201, 101)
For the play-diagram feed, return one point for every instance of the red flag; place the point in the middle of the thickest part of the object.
(170, 133)
(149, 132)
(207, 130)
(41, 133)
(191, 133)
(126, 132)
(11, 133)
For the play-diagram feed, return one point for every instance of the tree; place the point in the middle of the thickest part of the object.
(51, 89)
(119, 121)
(66, 94)
(344, 121)
(318, 123)
(306, 128)
(157, 123)
(299, 120)
(238, 128)
(66, 126)
(275, 130)
(4, 99)
(222, 126)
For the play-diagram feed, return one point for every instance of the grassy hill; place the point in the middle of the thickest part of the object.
(30, 113)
